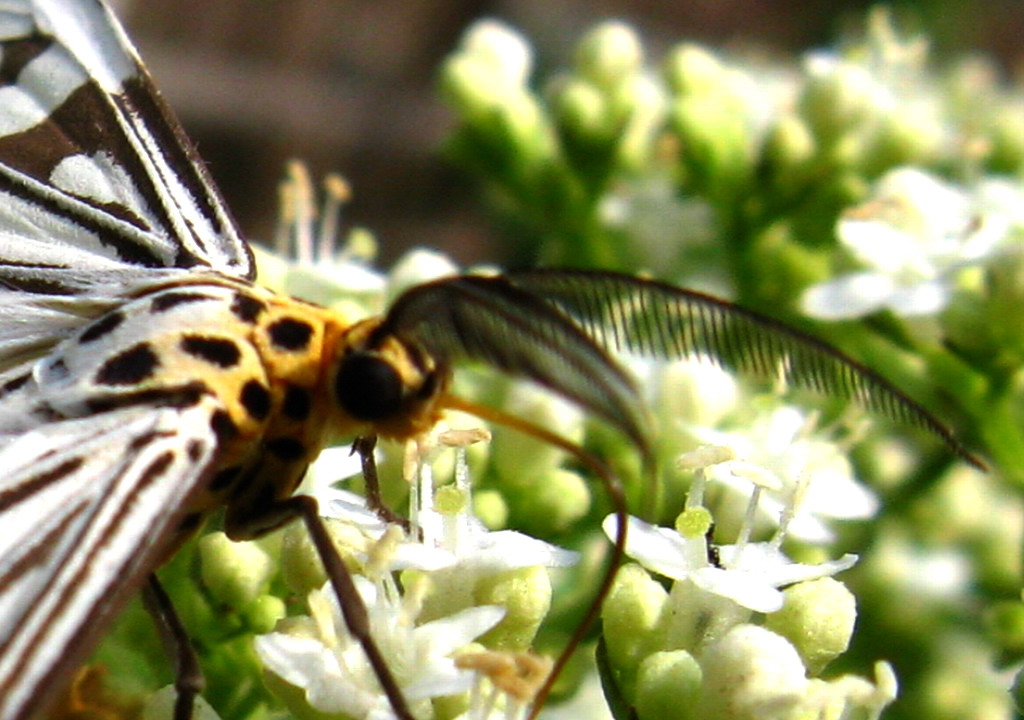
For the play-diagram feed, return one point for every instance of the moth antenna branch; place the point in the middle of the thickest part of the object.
(188, 674)
(612, 486)
(353, 609)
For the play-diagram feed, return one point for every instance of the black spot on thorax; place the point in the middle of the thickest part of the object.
(168, 300)
(130, 367)
(247, 308)
(222, 352)
(195, 450)
(14, 383)
(297, 403)
(223, 426)
(181, 396)
(223, 479)
(290, 334)
(104, 326)
(255, 398)
(286, 448)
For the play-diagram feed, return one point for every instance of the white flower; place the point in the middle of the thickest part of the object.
(747, 573)
(750, 574)
(913, 235)
(332, 667)
(814, 475)
(445, 521)
(456, 541)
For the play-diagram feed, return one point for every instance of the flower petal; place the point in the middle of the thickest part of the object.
(849, 296)
(510, 550)
(745, 589)
(447, 634)
(662, 550)
(924, 298)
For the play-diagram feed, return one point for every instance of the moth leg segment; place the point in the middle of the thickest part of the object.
(352, 607)
(365, 446)
(188, 674)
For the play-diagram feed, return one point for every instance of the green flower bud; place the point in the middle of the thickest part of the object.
(468, 85)
(502, 111)
(524, 128)
(521, 460)
(715, 142)
(838, 97)
(667, 686)
(630, 617)
(501, 48)
(690, 70)
(1006, 137)
(1006, 623)
(818, 618)
(582, 111)
(609, 54)
(262, 615)
(788, 151)
(646, 103)
(750, 669)
(553, 503)
(301, 568)
(525, 593)
(236, 573)
(908, 136)
(493, 63)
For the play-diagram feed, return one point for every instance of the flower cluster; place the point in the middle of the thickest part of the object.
(700, 639)
(860, 184)
(856, 183)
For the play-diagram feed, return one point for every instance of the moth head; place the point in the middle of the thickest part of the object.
(387, 383)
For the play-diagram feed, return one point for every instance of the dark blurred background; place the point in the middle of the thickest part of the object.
(350, 85)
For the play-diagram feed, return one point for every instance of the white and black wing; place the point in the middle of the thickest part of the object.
(87, 508)
(97, 178)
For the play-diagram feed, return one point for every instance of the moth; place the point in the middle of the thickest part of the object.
(146, 381)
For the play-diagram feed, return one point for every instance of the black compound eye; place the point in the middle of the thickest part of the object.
(368, 388)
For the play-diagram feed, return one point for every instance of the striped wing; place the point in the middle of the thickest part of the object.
(86, 508)
(97, 178)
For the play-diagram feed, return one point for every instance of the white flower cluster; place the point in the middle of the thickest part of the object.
(777, 470)
(916, 235)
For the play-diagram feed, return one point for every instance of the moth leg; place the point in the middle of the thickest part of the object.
(357, 620)
(188, 675)
(365, 447)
